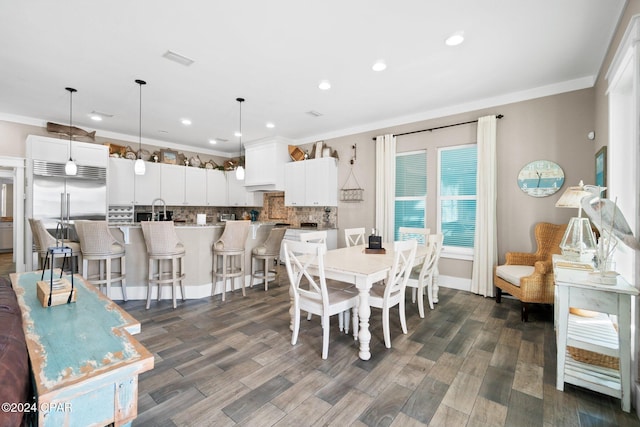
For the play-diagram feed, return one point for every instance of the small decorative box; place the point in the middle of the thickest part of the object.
(59, 293)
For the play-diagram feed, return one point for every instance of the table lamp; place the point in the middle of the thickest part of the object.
(578, 242)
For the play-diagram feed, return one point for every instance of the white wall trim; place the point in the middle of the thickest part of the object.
(459, 283)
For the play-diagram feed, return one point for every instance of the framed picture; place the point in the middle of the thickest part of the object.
(169, 156)
(601, 169)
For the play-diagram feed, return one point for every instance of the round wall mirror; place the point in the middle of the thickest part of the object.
(541, 178)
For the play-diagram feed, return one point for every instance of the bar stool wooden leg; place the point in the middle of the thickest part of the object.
(150, 278)
(123, 281)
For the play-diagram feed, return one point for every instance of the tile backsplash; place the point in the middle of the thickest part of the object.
(273, 210)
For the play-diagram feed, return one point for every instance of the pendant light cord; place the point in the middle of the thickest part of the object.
(140, 83)
(240, 100)
(71, 90)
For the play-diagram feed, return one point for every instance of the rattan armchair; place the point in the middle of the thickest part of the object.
(529, 276)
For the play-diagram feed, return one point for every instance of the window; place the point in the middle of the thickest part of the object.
(411, 190)
(457, 168)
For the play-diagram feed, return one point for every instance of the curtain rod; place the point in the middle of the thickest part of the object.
(499, 116)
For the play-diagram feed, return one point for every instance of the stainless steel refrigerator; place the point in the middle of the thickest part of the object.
(58, 198)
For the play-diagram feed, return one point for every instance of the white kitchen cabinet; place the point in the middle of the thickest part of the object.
(172, 179)
(216, 187)
(147, 186)
(265, 160)
(195, 191)
(120, 177)
(321, 182)
(183, 186)
(238, 194)
(57, 151)
(6, 236)
(311, 183)
(295, 184)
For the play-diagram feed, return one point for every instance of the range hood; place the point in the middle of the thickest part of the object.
(264, 164)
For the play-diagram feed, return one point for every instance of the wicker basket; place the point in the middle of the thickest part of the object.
(351, 195)
(296, 153)
(594, 358)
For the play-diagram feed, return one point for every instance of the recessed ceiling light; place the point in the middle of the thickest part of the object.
(379, 66)
(324, 85)
(99, 115)
(270, 125)
(455, 39)
(213, 141)
(237, 134)
(185, 122)
(176, 57)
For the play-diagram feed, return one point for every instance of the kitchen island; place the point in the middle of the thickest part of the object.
(198, 260)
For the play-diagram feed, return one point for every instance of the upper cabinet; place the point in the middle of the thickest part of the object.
(238, 194)
(264, 161)
(57, 151)
(216, 187)
(147, 186)
(120, 177)
(311, 183)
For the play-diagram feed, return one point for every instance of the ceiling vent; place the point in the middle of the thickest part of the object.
(176, 57)
(314, 113)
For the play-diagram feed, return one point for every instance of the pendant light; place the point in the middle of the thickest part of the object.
(240, 168)
(139, 166)
(70, 167)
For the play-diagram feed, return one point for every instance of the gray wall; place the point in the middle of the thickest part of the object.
(551, 128)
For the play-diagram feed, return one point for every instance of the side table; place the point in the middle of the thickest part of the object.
(595, 334)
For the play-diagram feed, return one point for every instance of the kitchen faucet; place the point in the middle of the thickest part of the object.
(153, 209)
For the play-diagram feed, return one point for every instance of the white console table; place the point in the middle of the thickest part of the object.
(595, 334)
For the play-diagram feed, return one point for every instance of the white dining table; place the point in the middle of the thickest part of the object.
(354, 265)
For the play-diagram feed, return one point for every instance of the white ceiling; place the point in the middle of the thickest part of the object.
(274, 54)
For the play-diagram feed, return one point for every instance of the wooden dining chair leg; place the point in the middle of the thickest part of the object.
(421, 301)
(296, 325)
(346, 316)
(403, 317)
(325, 336)
(385, 327)
(430, 292)
(356, 325)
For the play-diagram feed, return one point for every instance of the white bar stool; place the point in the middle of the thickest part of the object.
(98, 244)
(228, 255)
(163, 245)
(267, 253)
(44, 240)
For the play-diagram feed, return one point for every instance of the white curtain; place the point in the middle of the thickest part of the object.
(486, 248)
(385, 186)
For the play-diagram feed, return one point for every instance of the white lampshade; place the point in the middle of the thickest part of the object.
(139, 167)
(70, 168)
(572, 197)
(240, 172)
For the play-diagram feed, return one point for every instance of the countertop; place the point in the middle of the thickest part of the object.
(188, 224)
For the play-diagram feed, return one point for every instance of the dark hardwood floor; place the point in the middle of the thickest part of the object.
(469, 362)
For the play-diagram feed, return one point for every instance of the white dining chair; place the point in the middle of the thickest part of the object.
(313, 295)
(354, 236)
(422, 275)
(419, 234)
(393, 292)
(320, 236)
